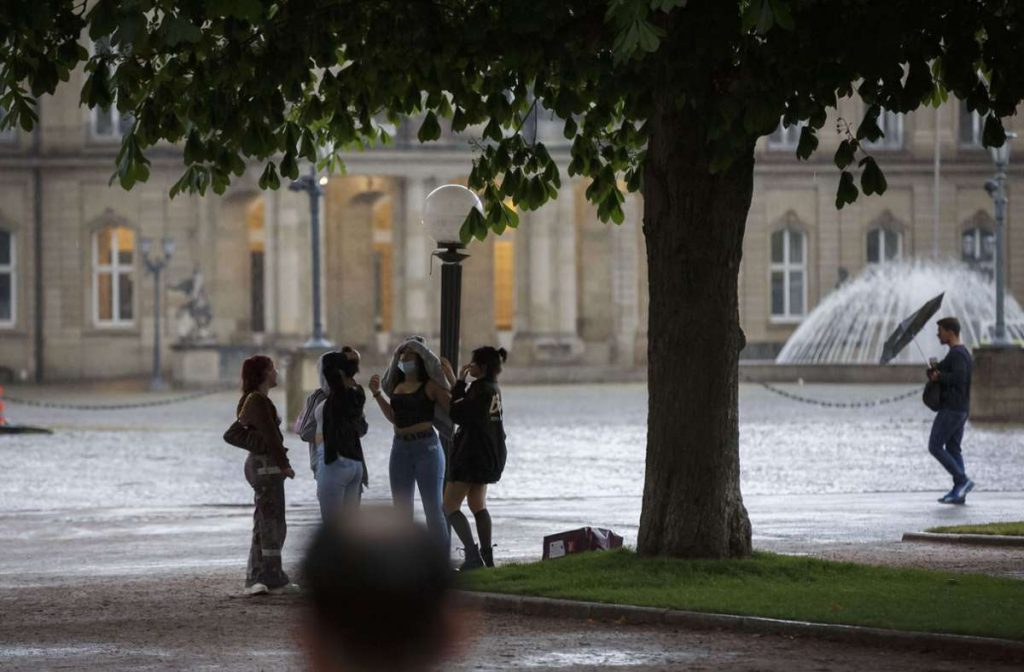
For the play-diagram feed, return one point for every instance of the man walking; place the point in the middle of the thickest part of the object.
(953, 374)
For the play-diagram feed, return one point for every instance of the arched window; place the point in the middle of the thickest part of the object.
(788, 273)
(978, 249)
(113, 276)
(8, 280)
(884, 240)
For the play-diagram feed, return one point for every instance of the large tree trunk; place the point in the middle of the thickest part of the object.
(693, 224)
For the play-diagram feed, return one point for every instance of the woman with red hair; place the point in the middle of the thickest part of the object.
(265, 470)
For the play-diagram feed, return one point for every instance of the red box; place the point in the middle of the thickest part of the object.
(580, 541)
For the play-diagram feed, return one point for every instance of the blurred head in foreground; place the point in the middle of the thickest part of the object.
(379, 596)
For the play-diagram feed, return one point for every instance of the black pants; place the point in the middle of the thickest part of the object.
(268, 524)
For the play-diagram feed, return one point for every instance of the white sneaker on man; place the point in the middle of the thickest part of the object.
(257, 589)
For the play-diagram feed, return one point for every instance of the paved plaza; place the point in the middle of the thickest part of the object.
(146, 499)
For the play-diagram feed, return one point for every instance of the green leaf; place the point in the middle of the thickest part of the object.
(872, 181)
(177, 30)
(783, 15)
(808, 143)
(847, 191)
(993, 135)
(474, 221)
(845, 154)
(269, 178)
(289, 166)
(250, 10)
(868, 129)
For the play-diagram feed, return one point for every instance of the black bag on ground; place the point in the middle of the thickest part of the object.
(932, 396)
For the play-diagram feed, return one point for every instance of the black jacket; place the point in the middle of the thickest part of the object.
(478, 449)
(955, 379)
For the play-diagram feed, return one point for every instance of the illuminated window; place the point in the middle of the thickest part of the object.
(113, 254)
(257, 311)
(504, 285)
(382, 259)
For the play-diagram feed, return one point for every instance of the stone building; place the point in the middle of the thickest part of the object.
(76, 301)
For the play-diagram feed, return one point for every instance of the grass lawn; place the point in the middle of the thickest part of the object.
(776, 586)
(1010, 529)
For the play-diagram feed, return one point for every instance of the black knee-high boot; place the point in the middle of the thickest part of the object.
(483, 530)
(460, 524)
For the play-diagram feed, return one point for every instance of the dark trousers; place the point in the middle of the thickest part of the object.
(268, 525)
(944, 443)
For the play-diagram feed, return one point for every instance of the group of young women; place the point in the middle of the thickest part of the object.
(420, 395)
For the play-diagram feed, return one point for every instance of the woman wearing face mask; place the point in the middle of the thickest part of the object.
(478, 450)
(266, 474)
(417, 459)
(339, 422)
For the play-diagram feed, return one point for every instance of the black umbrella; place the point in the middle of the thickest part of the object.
(909, 328)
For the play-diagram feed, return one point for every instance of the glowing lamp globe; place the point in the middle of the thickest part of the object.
(445, 210)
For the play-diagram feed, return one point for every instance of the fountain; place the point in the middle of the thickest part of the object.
(850, 325)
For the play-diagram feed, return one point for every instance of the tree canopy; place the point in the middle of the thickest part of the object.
(235, 81)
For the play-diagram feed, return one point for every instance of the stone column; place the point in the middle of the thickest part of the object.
(416, 260)
(625, 284)
(566, 260)
(541, 239)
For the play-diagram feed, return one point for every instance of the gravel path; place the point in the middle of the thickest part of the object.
(201, 622)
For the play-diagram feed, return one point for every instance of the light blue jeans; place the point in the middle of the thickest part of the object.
(419, 463)
(338, 484)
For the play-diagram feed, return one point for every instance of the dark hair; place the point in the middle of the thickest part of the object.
(254, 372)
(378, 589)
(490, 360)
(332, 364)
(950, 324)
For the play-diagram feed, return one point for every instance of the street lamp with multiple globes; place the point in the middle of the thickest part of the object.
(313, 186)
(155, 266)
(996, 188)
(444, 212)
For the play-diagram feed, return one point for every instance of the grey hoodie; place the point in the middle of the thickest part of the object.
(305, 424)
(442, 423)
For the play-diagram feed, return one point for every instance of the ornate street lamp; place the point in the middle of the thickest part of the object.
(444, 212)
(154, 266)
(312, 186)
(996, 188)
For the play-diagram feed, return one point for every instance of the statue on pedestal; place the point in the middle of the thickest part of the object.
(195, 315)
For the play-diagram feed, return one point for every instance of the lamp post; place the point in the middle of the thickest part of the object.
(996, 188)
(312, 186)
(155, 265)
(444, 212)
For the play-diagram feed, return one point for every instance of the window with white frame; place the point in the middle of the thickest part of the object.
(113, 254)
(8, 280)
(972, 125)
(884, 244)
(107, 123)
(788, 274)
(978, 250)
(786, 137)
(891, 125)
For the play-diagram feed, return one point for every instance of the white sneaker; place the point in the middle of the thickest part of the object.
(286, 589)
(256, 589)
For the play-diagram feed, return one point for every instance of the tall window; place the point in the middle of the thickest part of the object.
(884, 244)
(8, 280)
(786, 137)
(789, 286)
(978, 249)
(504, 285)
(107, 123)
(382, 259)
(257, 310)
(113, 249)
(972, 125)
(891, 124)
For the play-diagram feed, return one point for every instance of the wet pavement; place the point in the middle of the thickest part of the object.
(154, 495)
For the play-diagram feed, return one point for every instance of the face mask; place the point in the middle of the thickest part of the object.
(407, 367)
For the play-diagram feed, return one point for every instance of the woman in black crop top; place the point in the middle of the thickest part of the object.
(417, 459)
(478, 450)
